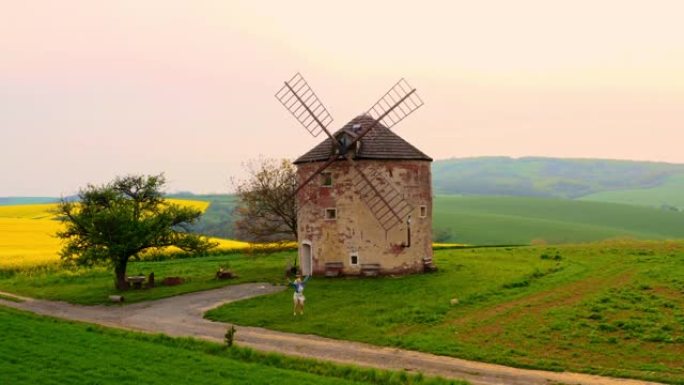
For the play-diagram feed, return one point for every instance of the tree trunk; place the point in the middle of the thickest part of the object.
(120, 271)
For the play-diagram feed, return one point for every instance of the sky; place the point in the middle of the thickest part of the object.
(94, 89)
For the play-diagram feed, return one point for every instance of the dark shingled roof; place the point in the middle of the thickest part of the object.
(380, 143)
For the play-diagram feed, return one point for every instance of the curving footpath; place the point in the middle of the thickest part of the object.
(183, 316)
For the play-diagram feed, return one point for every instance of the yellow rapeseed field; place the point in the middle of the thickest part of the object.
(37, 211)
(27, 234)
(27, 242)
(201, 205)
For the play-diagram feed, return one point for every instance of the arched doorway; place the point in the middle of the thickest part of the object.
(306, 258)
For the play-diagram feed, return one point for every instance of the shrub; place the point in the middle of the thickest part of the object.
(230, 336)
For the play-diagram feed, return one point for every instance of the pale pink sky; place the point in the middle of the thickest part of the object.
(93, 89)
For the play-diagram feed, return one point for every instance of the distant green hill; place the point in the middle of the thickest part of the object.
(217, 220)
(561, 178)
(669, 195)
(26, 200)
(489, 220)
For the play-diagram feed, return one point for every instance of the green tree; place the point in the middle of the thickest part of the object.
(266, 210)
(115, 222)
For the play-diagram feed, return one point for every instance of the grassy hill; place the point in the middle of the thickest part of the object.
(217, 220)
(484, 220)
(519, 201)
(669, 195)
(496, 220)
(552, 177)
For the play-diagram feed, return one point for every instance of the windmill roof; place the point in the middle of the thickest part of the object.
(381, 143)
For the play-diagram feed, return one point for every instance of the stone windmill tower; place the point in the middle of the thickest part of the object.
(364, 195)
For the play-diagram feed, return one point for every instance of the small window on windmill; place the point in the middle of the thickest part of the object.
(326, 179)
(354, 259)
(423, 211)
(331, 214)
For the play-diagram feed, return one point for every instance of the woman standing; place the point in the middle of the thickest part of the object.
(298, 297)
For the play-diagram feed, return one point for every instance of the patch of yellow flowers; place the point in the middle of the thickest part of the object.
(27, 234)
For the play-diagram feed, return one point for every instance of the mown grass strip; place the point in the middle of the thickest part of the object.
(121, 357)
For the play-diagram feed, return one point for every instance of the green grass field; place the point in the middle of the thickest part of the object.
(482, 220)
(41, 350)
(93, 286)
(669, 193)
(613, 308)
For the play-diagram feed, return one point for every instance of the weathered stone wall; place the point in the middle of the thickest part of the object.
(355, 229)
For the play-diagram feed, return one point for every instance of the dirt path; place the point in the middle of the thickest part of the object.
(182, 316)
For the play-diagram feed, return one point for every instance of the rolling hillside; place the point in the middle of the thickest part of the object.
(217, 220)
(669, 195)
(488, 220)
(561, 178)
(500, 200)
(491, 220)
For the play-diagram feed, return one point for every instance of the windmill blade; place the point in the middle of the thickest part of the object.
(384, 201)
(298, 98)
(395, 105)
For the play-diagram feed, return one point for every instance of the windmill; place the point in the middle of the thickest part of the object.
(382, 181)
(381, 197)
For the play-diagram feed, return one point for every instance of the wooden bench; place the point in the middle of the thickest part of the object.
(333, 269)
(370, 269)
(136, 281)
